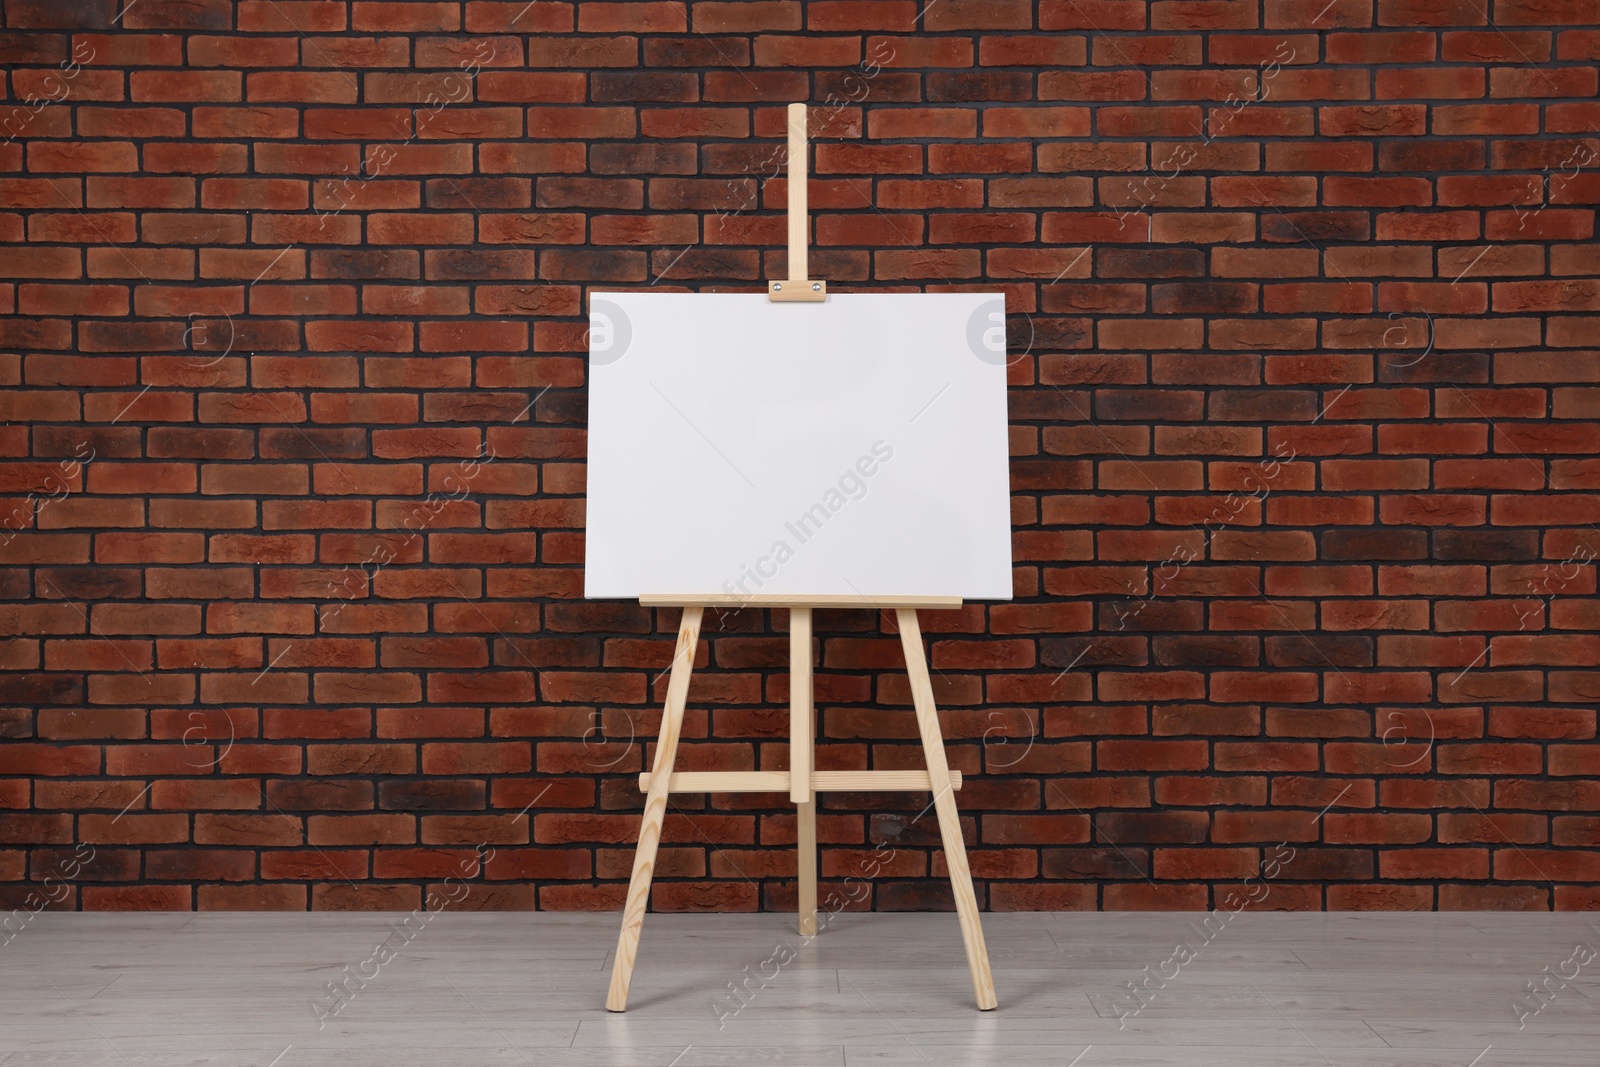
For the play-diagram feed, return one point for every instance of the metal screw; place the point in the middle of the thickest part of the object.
(816, 287)
(777, 287)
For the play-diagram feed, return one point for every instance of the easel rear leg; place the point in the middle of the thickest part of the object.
(801, 733)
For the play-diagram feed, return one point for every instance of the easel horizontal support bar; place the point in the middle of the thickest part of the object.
(797, 291)
(778, 781)
(739, 600)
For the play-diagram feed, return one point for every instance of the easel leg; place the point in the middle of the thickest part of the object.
(807, 844)
(801, 734)
(944, 803)
(655, 810)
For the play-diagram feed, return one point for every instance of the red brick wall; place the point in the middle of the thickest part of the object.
(1305, 304)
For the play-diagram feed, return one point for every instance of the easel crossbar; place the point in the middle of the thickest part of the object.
(778, 781)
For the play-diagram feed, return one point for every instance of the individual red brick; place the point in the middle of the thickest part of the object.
(1455, 828)
(361, 830)
(1434, 863)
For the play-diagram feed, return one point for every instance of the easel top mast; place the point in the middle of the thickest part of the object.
(798, 287)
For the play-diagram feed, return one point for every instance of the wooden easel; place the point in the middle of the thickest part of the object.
(801, 781)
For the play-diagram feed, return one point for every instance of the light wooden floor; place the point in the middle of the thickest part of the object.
(466, 989)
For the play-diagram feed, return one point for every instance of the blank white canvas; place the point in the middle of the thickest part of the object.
(852, 447)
